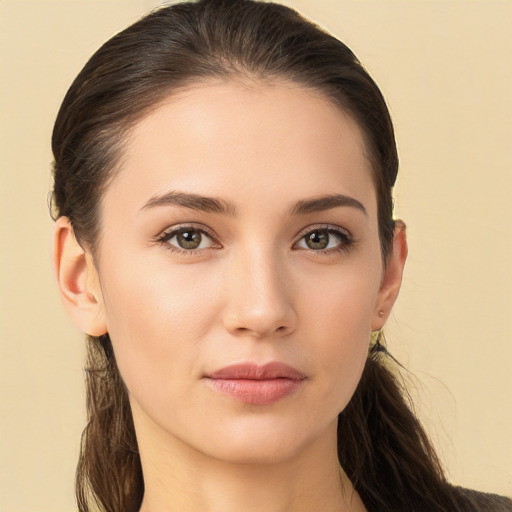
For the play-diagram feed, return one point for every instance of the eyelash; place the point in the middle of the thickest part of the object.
(167, 235)
(346, 240)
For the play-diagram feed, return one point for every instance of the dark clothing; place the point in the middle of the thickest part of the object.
(484, 502)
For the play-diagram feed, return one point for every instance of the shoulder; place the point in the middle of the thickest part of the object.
(484, 502)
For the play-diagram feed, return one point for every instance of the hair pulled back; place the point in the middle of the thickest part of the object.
(381, 445)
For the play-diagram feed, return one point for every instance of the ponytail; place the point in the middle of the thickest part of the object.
(109, 472)
(383, 448)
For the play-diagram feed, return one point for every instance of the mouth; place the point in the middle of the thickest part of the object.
(256, 385)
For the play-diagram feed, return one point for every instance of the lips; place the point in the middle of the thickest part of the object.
(257, 385)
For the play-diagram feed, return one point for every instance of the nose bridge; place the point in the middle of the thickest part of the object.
(259, 296)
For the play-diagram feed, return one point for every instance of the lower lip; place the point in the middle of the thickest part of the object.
(256, 392)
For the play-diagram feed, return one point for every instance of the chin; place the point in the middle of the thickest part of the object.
(264, 442)
(262, 452)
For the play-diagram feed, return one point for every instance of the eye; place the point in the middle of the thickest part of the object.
(325, 240)
(186, 239)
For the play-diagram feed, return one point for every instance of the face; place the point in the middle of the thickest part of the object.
(239, 268)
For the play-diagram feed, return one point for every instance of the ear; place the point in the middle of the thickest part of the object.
(78, 281)
(392, 278)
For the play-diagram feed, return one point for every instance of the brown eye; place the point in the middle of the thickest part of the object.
(187, 239)
(317, 240)
(325, 239)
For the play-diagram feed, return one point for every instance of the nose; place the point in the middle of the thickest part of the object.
(259, 297)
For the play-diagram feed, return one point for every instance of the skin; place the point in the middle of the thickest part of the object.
(253, 291)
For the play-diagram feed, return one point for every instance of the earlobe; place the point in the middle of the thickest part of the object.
(77, 280)
(392, 278)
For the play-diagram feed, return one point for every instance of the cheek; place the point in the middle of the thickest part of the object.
(158, 317)
(152, 296)
(340, 319)
(342, 298)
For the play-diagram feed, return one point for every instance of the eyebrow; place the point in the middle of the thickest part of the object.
(193, 201)
(224, 207)
(322, 203)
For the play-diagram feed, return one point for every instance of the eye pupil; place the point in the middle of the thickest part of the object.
(318, 240)
(189, 239)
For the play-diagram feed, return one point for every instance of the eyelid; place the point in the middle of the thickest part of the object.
(168, 233)
(329, 227)
(343, 233)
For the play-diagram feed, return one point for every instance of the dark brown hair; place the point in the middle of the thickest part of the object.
(381, 445)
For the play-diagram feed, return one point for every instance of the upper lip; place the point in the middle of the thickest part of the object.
(251, 371)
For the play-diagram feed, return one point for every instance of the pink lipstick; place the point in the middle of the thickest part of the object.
(257, 385)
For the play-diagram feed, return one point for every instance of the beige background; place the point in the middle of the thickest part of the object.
(444, 67)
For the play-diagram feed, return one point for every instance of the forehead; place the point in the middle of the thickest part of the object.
(236, 140)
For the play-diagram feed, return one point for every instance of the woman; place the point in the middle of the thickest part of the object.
(224, 235)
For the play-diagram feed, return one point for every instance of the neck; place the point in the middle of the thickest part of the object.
(177, 477)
